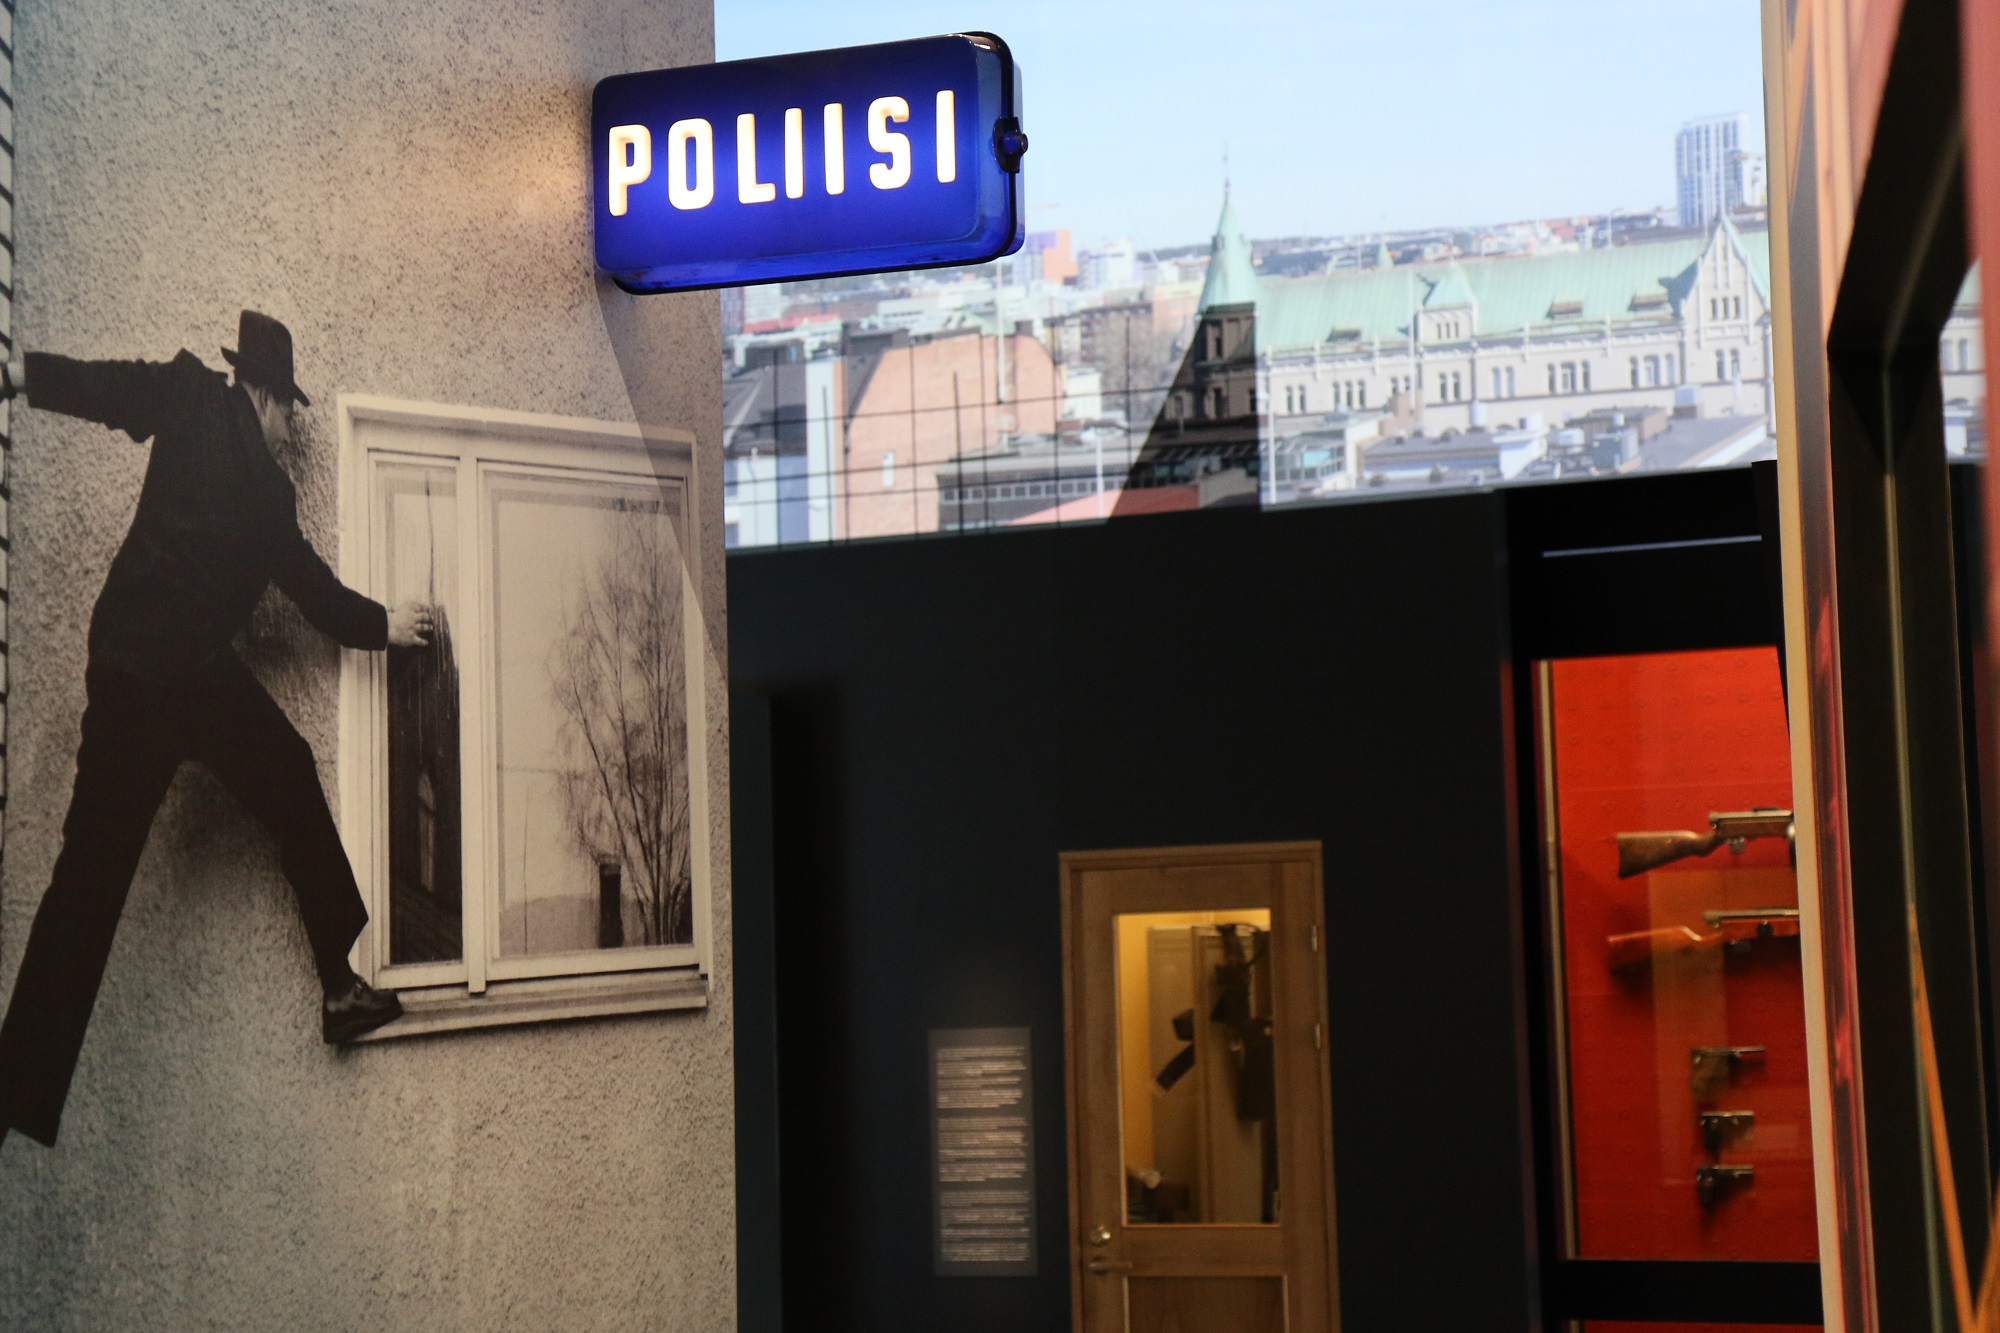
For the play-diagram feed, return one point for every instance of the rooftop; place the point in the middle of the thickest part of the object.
(1231, 278)
(1622, 284)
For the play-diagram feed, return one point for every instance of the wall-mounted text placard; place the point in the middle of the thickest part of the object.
(983, 1152)
(901, 155)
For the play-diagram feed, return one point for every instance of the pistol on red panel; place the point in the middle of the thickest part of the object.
(1713, 1184)
(1709, 1067)
(1720, 1128)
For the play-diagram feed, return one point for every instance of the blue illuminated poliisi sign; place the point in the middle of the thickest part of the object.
(897, 156)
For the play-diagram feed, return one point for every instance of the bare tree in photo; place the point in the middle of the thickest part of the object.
(619, 679)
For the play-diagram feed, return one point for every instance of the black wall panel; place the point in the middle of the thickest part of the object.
(947, 716)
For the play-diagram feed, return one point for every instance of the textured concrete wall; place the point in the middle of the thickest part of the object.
(404, 182)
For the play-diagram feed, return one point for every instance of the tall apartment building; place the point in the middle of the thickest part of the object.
(1718, 168)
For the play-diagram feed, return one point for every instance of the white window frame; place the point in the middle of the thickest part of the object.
(483, 988)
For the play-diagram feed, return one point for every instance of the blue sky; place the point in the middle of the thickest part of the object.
(1338, 116)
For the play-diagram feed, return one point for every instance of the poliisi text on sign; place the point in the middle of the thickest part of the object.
(691, 154)
(903, 155)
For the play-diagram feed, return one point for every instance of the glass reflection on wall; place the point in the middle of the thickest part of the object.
(1195, 321)
(1197, 1086)
(1962, 369)
(589, 665)
(425, 826)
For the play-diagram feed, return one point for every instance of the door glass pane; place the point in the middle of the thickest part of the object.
(1682, 1005)
(420, 557)
(1197, 1085)
(591, 717)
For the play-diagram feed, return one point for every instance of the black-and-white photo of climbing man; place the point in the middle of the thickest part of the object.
(216, 523)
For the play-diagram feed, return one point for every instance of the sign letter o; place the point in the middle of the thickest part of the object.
(895, 173)
(701, 135)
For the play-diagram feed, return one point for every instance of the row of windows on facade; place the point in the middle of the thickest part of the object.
(1712, 136)
(1216, 400)
(1647, 372)
(1021, 490)
(1567, 377)
(1564, 377)
(1725, 307)
(1347, 393)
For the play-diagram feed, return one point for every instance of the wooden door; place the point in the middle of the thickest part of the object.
(1201, 1156)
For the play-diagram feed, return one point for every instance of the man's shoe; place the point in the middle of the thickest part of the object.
(355, 1009)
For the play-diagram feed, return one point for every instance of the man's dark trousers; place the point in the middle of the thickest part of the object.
(136, 733)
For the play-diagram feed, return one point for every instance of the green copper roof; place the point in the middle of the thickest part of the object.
(1231, 280)
(1621, 284)
(1450, 291)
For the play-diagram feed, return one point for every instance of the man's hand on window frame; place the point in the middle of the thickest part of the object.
(411, 624)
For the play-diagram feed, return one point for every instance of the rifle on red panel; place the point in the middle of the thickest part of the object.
(1640, 852)
(1730, 928)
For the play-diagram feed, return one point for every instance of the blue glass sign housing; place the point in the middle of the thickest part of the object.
(898, 156)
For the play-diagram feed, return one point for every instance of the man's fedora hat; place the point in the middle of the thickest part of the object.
(263, 354)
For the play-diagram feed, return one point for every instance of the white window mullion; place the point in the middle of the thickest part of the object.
(475, 731)
(696, 684)
(362, 730)
(398, 975)
(369, 824)
(375, 715)
(589, 962)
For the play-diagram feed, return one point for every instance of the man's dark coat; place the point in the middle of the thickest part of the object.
(217, 519)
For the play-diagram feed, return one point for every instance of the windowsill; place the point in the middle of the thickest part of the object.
(544, 1000)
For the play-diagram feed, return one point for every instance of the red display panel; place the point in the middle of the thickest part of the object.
(1652, 989)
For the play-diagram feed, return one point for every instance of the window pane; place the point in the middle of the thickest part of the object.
(1197, 1088)
(420, 555)
(591, 733)
(1182, 346)
(1963, 368)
